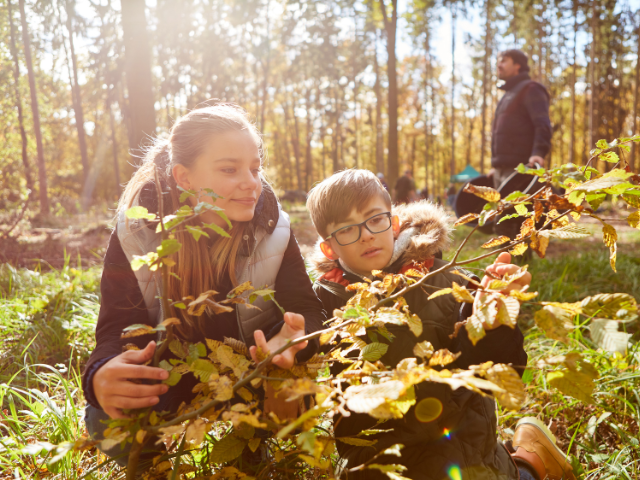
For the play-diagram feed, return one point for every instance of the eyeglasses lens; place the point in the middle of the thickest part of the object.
(351, 234)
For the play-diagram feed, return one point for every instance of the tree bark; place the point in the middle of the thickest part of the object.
(267, 67)
(35, 111)
(114, 146)
(16, 78)
(427, 116)
(76, 94)
(138, 75)
(377, 90)
(390, 25)
(572, 145)
(634, 148)
(485, 71)
(452, 165)
(308, 179)
(593, 78)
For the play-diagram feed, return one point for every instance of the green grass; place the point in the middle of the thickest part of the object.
(47, 322)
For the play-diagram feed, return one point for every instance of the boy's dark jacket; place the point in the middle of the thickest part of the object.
(464, 436)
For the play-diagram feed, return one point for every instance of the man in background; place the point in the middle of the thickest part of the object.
(405, 189)
(521, 129)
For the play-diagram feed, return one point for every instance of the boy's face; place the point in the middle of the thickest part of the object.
(371, 251)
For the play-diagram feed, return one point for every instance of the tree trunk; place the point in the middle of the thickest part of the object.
(295, 140)
(138, 74)
(471, 122)
(308, 179)
(76, 94)
(377, 90)
(593, 78)
(572, 145)
(267, 67)
(452, 166)
(42, 173)
(390, 25)
(427, 115)
(16, 78)
(485, 81)
(634, 147)
(114, 146)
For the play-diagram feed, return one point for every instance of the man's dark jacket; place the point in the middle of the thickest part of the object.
(464, 435)
(521, 126)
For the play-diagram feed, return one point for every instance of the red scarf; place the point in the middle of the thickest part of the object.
(337, 274)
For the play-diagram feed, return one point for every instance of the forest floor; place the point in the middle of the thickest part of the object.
(49, 299)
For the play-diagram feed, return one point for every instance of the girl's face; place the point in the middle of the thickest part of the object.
(230, 166)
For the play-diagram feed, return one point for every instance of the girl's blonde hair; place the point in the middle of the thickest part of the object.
(199, 267)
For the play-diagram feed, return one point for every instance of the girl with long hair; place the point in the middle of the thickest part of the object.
(217, 149)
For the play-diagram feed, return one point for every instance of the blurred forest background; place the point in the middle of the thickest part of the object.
(84, 84)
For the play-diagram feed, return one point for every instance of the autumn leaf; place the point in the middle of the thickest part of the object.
(373, 351)
(240, 289)
(486, 193)
(633, 200)
(494, 242)
(554, 322)
(539, 244)
(575, 384)
(475, 329)
(461, 294)
(227, 449)
(443, 357)
(423, 350)
(223, 387)
(634, 219)
(528, 226)
(507, 379)
(469, 217)
(196, 431)
(136, 330)
(358, 442)
(438, 293)
(523, 296)
(364, 398)
(519, 249)
(614, 306)
(415, 324)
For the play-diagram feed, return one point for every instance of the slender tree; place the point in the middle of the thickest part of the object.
(452, 166)
(16, 78)
(75, 92)
(142, 122)
(572, 147)
(634, 148)
(485, 81)
(390, 26)
(377, 90)
(35, 111)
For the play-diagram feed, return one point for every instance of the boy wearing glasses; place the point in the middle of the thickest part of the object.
(361, 232)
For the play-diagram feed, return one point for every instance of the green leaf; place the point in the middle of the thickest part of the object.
(139, 212)
(610, 157)
(521, 209)
(203, 369)
(514, 196)
(174, 378)
(217, 229)
(602, 144)
(196, 232)
(186, 194)
(223, 216)
(197, 350)
(210, 193)
(373, 351)
(227, 449)
(168, 247)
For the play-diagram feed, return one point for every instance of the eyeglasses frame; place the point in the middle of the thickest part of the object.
(360, 225)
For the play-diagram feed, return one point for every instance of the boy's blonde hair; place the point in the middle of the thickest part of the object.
(333, 199)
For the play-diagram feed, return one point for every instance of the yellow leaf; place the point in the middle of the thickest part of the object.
(609, 235)
(438, 293)
(237, 346)
(327, 337)
(486, 193)
(223, 386)
(136, 332)
(415, 324)
(494, 242)
(140, 434)
(523, 296)
(443, 357)
(612, 256)
(508, 379)
(519, 249)
(475, 329)
(423, 350)
(253, 444)
(575, 384)
(555, 322)
(428, 409)
(195, 432)
(240, 289)
(528, 227)
(461, 294)
(538, 210)
(245, 394)
(634, 219)
(469, 217)
(170, 321)
(227, 449)
(508, 310)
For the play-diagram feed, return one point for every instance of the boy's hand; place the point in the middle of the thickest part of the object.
(293, 328)
(114, 389)
(499, 269)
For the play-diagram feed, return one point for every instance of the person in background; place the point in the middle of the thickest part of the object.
(380, 176)
(424, 193)
(405, 189)
(521, 129)
(451, 194)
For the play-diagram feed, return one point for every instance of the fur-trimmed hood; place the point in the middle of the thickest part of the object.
(425, 229)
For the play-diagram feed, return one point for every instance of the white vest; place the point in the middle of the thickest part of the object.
(261, 267)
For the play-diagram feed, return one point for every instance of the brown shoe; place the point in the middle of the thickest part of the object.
(535, 445)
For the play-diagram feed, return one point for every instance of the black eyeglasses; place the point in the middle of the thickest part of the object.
(379, 223)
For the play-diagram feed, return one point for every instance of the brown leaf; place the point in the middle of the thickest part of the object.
(538, 210)
(539, 244)
(170, 321)
(486, 193)
(528, 227)
(240, 289)
(562, 203)
(218, 308)
(469, 217)
(494, 242)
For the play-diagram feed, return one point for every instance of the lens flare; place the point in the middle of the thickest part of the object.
(454, 472)
(428, 409)
(447, 434)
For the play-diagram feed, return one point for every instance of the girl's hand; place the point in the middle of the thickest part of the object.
(499, 269)
(114, 390)
(293, 328)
